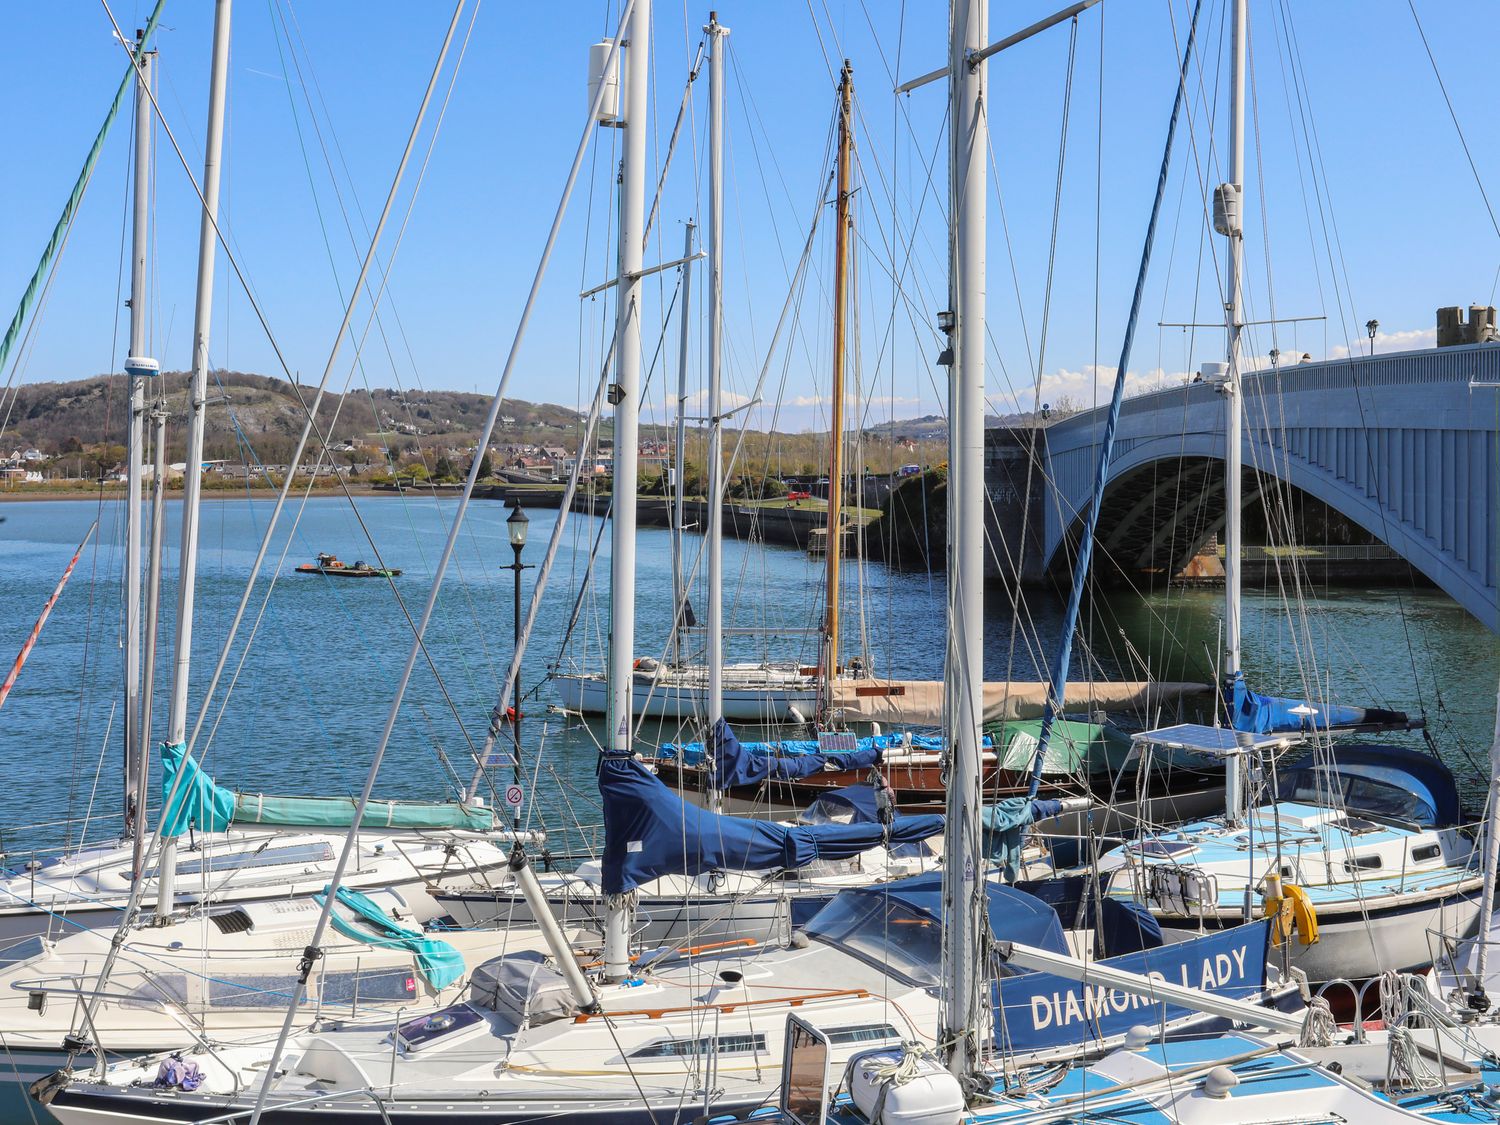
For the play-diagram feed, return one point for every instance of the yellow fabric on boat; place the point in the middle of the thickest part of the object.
(1292, 910)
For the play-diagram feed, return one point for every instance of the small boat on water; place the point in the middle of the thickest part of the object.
(332, 566)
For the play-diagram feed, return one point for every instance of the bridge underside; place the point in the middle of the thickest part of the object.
(1157, 517)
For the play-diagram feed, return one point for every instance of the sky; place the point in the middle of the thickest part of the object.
(1361, 203)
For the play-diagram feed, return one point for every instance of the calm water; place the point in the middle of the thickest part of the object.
(313, 693)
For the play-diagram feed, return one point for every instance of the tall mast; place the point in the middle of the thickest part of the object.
(139, 371)
(153, 604)
(679, 452)
(1228, 219)
(963, 869)
(625, 394)
(834, 545)
(714, 655)
(192, 479)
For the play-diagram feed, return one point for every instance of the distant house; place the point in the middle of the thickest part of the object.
(12, 475)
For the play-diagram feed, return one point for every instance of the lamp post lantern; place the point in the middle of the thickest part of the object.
(516, 526)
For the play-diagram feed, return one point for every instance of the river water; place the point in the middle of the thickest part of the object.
(311, 697)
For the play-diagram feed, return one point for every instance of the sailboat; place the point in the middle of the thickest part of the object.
(221, 977)
(768, 693)
(1344, 850)
(729, 902)
(665, 1035)
(217, 847)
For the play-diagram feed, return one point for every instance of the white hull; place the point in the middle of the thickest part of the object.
(89, 890)
(769, 700)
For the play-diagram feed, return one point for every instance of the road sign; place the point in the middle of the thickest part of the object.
(514, 796)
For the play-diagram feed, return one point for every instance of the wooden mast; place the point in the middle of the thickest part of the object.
(842, 230)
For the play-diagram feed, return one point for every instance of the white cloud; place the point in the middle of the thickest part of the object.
(1408, 340)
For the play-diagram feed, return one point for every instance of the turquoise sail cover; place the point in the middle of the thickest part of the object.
(209, 807)
(438, 963)
(199, 802)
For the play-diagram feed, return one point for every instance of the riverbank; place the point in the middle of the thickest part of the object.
(32, 493)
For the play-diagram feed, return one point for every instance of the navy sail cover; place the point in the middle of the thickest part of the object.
(649, 832)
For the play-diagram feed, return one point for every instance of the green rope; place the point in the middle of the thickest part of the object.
(66, 219)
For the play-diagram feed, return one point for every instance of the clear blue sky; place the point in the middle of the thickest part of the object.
(1412, 229)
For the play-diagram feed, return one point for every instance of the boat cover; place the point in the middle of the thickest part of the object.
(1074, 747)
(857, 803)
(694, 753)
(1037, 1011)
(1004, 824)
(920, 702)
(1394, 781)
(438, 963)
(1013, 915)
(210, 807)
(649, 832)
(735, 763)
(338, 812)
(1269, 714)
(523, 986)
(199, 802)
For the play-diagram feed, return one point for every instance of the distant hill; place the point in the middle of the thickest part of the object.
(59, 417)
(263, 412)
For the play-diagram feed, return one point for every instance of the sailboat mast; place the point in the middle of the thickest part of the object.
(963, 866)
(1232, 197)
(625, 395)
(836, 435)
(153, 604)
(138, 373)
(192, 477)
(679, 450)
(714, 655)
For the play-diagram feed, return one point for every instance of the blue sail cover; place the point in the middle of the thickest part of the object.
(694, 753)
(199, 802)
(735, 764)
(1268, 714)
(649, 832)
(1036, 1011)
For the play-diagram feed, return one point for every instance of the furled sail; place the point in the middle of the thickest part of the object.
(649, 832)
(209, 807)
(1268, 714)
(734, 763)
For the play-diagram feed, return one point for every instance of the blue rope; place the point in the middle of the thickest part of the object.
(1086, 545)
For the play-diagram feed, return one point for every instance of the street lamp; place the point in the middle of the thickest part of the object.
(1372, 327)
(516, 527)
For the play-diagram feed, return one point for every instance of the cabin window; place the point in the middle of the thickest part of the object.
(1425, 853)
(1362, 863)
(883, 930)
(245, 991)
(1288, 872)
(156, 990)
(300, 854)
(369, 987)
(686, 1048)
(862, 1033)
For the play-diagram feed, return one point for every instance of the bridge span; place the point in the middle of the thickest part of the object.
(1405, 445)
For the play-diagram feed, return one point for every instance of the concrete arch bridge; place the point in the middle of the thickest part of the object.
(1405, 446)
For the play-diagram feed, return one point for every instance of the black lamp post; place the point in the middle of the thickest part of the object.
(516, 527)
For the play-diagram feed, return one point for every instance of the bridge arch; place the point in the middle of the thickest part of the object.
(1407, 447)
